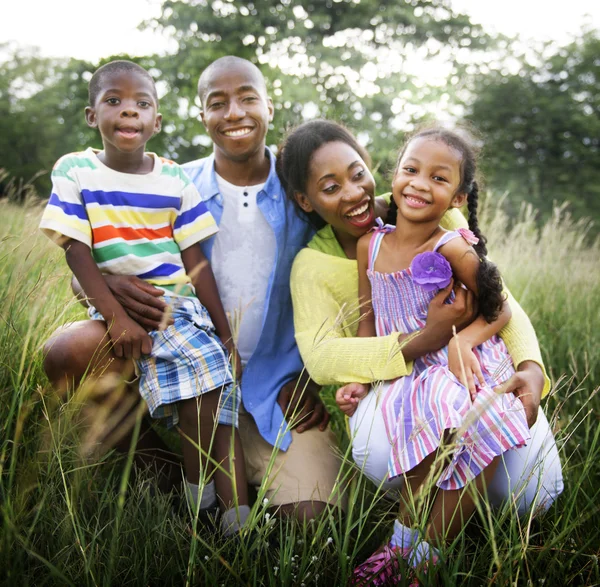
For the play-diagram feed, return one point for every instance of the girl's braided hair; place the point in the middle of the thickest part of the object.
(489, 281)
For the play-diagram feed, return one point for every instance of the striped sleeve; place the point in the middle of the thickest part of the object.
(65, 215)
(194, 223)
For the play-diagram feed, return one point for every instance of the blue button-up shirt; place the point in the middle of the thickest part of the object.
(276, 360)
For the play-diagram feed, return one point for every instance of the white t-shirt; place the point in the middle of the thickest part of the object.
(243, 256)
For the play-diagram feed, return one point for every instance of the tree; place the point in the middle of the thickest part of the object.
(341, 59)
(542, 127)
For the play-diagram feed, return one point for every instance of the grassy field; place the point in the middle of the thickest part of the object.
(68, 521)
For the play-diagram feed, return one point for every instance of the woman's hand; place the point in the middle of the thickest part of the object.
(458, 350)
(527, 384)
(139, 299)
(301, 405)
(347, 397)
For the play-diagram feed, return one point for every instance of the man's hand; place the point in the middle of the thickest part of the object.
(301, 405)
(139, 299)
(459, 349)
(347, 397)
(527, 384)
(130, 340)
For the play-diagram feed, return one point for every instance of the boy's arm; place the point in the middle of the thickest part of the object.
(129, 339)
(203, 279)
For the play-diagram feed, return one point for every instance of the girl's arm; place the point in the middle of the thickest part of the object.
(366, 326)
(466, 267)
(129, 339)
(203, 279)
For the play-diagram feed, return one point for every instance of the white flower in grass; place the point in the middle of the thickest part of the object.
(314, 558)
(267, 517)
(206, 557)
(329, 541)
(265, 501)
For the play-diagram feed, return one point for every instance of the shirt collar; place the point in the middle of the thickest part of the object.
(208, 179)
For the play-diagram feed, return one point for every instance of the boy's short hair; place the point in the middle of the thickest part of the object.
(113, 67)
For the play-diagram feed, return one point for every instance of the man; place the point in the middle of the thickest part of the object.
(260, 234)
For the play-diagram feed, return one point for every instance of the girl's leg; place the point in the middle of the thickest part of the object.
(452, 509)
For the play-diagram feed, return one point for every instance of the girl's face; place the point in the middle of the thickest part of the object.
(340, 189)
(427, 180)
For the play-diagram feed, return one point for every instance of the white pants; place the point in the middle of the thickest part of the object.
(529, 477)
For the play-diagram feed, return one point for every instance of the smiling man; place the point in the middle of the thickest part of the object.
(259, 236)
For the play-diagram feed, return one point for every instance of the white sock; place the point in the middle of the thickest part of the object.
(403, 537)
(423, 552)
(208, 498)
(233, 520)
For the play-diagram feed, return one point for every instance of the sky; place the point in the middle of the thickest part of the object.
(92, 30)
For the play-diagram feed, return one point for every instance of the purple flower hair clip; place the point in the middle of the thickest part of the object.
(431, 271)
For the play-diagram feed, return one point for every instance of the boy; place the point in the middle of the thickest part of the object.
(124, 211)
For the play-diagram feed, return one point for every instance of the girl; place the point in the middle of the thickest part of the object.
(448, 399)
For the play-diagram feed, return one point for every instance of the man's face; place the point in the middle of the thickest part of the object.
(236, 112)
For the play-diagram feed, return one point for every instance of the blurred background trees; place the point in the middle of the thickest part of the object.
(362, 63)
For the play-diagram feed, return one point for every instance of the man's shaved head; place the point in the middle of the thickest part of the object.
(225, 64)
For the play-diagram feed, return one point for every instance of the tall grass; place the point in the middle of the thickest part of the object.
(63, 522)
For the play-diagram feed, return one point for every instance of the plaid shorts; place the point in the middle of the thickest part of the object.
(187, 360)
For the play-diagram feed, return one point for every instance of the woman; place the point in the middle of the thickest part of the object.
(325, 172)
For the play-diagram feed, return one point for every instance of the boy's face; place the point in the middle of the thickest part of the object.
(236, 112)
(125, 112)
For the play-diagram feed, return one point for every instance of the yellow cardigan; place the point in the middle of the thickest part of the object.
(324, 284)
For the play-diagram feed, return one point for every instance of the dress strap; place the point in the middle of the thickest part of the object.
(459, 232)
(374, 245)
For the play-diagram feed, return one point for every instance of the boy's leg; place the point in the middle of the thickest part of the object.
(198, 423)
(82, 349)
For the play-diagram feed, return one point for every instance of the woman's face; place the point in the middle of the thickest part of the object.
(340, 189)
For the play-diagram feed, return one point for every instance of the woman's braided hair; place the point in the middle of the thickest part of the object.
(489, 281)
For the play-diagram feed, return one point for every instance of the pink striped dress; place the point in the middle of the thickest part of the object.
(420, 407)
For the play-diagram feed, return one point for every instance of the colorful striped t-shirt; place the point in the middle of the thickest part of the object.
(134, 224)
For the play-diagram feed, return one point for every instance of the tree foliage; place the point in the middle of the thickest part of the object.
(542, 127)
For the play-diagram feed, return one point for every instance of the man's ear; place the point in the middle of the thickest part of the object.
(158, 124)
(271, 109)
(459, 200)
(202, 118)
(303, 202)
(90, 117)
